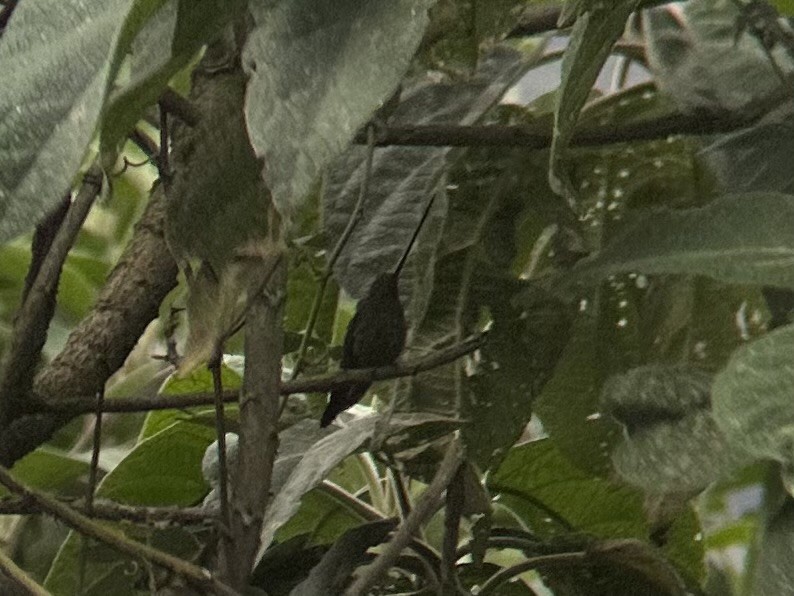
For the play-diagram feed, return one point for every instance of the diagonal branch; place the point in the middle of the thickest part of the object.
(424, 508)
(33, 319)
(195, 575)
(319, 383)
(99, 345)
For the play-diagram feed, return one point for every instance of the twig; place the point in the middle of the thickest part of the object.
(220, 430)
(33, 318)
(316, 384)
(147, 145)
(163, 163)
(18, 576)
(456, 494)
(402, 538)
(43, 237)
(195, 575)
(452, 135)
(172, 102)
(110, 511)
(329, 266)
(400, 492)
(95, 449)
(505, 575)
(429, 558)
(91, 488)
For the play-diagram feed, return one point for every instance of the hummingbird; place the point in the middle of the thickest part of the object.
(375, 335)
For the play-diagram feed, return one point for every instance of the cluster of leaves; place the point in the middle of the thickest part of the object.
(648, 365)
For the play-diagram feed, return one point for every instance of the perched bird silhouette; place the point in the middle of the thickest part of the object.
(374, 337)
(376, 334)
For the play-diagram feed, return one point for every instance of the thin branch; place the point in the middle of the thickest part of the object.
(401, 495)
(147, 145)
(91, 488)
(367, 512)
(220, 431)
(329, 266)
(453, 512)
(110, 511)
(20, 579)
(452, 135)
(180, 106)
(100, 344)
(33, 319)
(43, 237)
(505, 575)
(195, 575)
(316, 384)
(424, 508)
(95, 449)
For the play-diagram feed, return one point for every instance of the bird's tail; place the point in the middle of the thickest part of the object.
(341, 399)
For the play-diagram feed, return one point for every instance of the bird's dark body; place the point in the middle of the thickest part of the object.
(374, 337)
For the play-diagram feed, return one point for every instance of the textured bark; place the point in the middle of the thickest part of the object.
(259, 413)
(99, 345)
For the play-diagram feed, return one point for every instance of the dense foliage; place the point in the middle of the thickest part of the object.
(595, 396)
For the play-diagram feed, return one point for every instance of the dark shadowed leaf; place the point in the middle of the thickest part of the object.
(404, 178)
(347, 553)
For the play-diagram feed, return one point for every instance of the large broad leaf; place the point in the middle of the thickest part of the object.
(672, 443)
(58, 61)
(552, 497)
(741, 238)
(49, 470)
(704, 62)
(164, 469)
(752, 397)
(597, 28)
(568, 406)
(538, 475)
(317, 463)
(318, 72)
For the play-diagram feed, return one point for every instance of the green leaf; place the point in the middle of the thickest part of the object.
(742, 238)
(198, 381)
(49, 470)
(344, 58)
(752, 397)
(539, 474)
(597, 28)
(164, 469)
(58, 62)
(785, 7)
